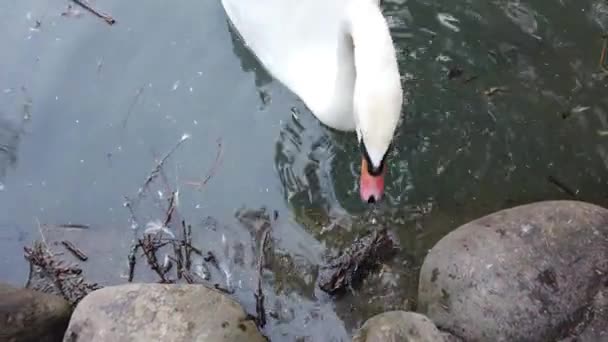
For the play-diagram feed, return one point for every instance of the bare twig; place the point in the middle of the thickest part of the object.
(170, 209)
(68, 225)
(46, 245)
(188, 277)
(108, 19)
(259, 295)
(603, 54)
(179, 259)
(187, 233)
(133, 260)
(561, 185)
(132, 105)
(132, 216)
(174, 213)
(223, 289)
(196, 250)
(160, 164)
(149, 248)
(74, 250)
(216, 163)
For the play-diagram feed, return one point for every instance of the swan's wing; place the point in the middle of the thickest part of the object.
(298, 41)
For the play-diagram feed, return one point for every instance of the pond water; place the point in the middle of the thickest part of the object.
(87, 109)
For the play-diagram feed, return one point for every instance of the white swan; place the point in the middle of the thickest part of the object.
(338, 57)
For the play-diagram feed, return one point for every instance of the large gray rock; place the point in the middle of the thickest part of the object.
(398, 326)
(160, 312)
(28, 315)
(529, 273)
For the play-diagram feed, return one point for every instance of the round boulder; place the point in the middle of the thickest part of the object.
(398, 326)
(528, 273)
(160, 312)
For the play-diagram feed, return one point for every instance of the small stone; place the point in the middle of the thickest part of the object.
(160, 312)
(529, 273)
(398, 326)
(29, 315)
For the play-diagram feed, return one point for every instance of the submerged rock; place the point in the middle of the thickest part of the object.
(529, 273)
(399, 326)
(160, 312)
(28, 315)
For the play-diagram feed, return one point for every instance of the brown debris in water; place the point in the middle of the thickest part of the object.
(164, 233)
(356, 261)
(160, 235)
(182, 249)
(51, 275)
(106, 17)
(604, 53)
(200, 184)
(158, 168)
(150, 245)
(562, 186)
(77, 252)
(259, 224)
(68, 226)
(260, 319)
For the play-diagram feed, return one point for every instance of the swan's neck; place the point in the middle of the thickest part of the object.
(377, 93)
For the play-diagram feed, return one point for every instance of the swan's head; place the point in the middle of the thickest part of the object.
(377, 110)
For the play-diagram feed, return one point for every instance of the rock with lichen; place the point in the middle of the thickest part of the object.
(535, 272)
(399, 326)
(160, 312)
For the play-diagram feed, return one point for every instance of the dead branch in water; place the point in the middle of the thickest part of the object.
(151, 243)
(170, 209)
(223, 289)
(132, 106)
(129, 205)
(187, 234)
(68, 226)
(561, 185)
(156, 171)
(216, 163)
(77, 252)
(51, 275)
(132, 260)
(259, 295)
(603, 53)
(149, 246)
(108, 19)
(356, 261)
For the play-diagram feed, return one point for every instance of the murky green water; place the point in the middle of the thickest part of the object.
(87, 108)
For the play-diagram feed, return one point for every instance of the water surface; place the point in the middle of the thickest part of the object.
(86, 109)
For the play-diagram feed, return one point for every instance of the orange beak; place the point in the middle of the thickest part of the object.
(371, 187)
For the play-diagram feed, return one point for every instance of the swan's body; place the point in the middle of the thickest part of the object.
(338, 57)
